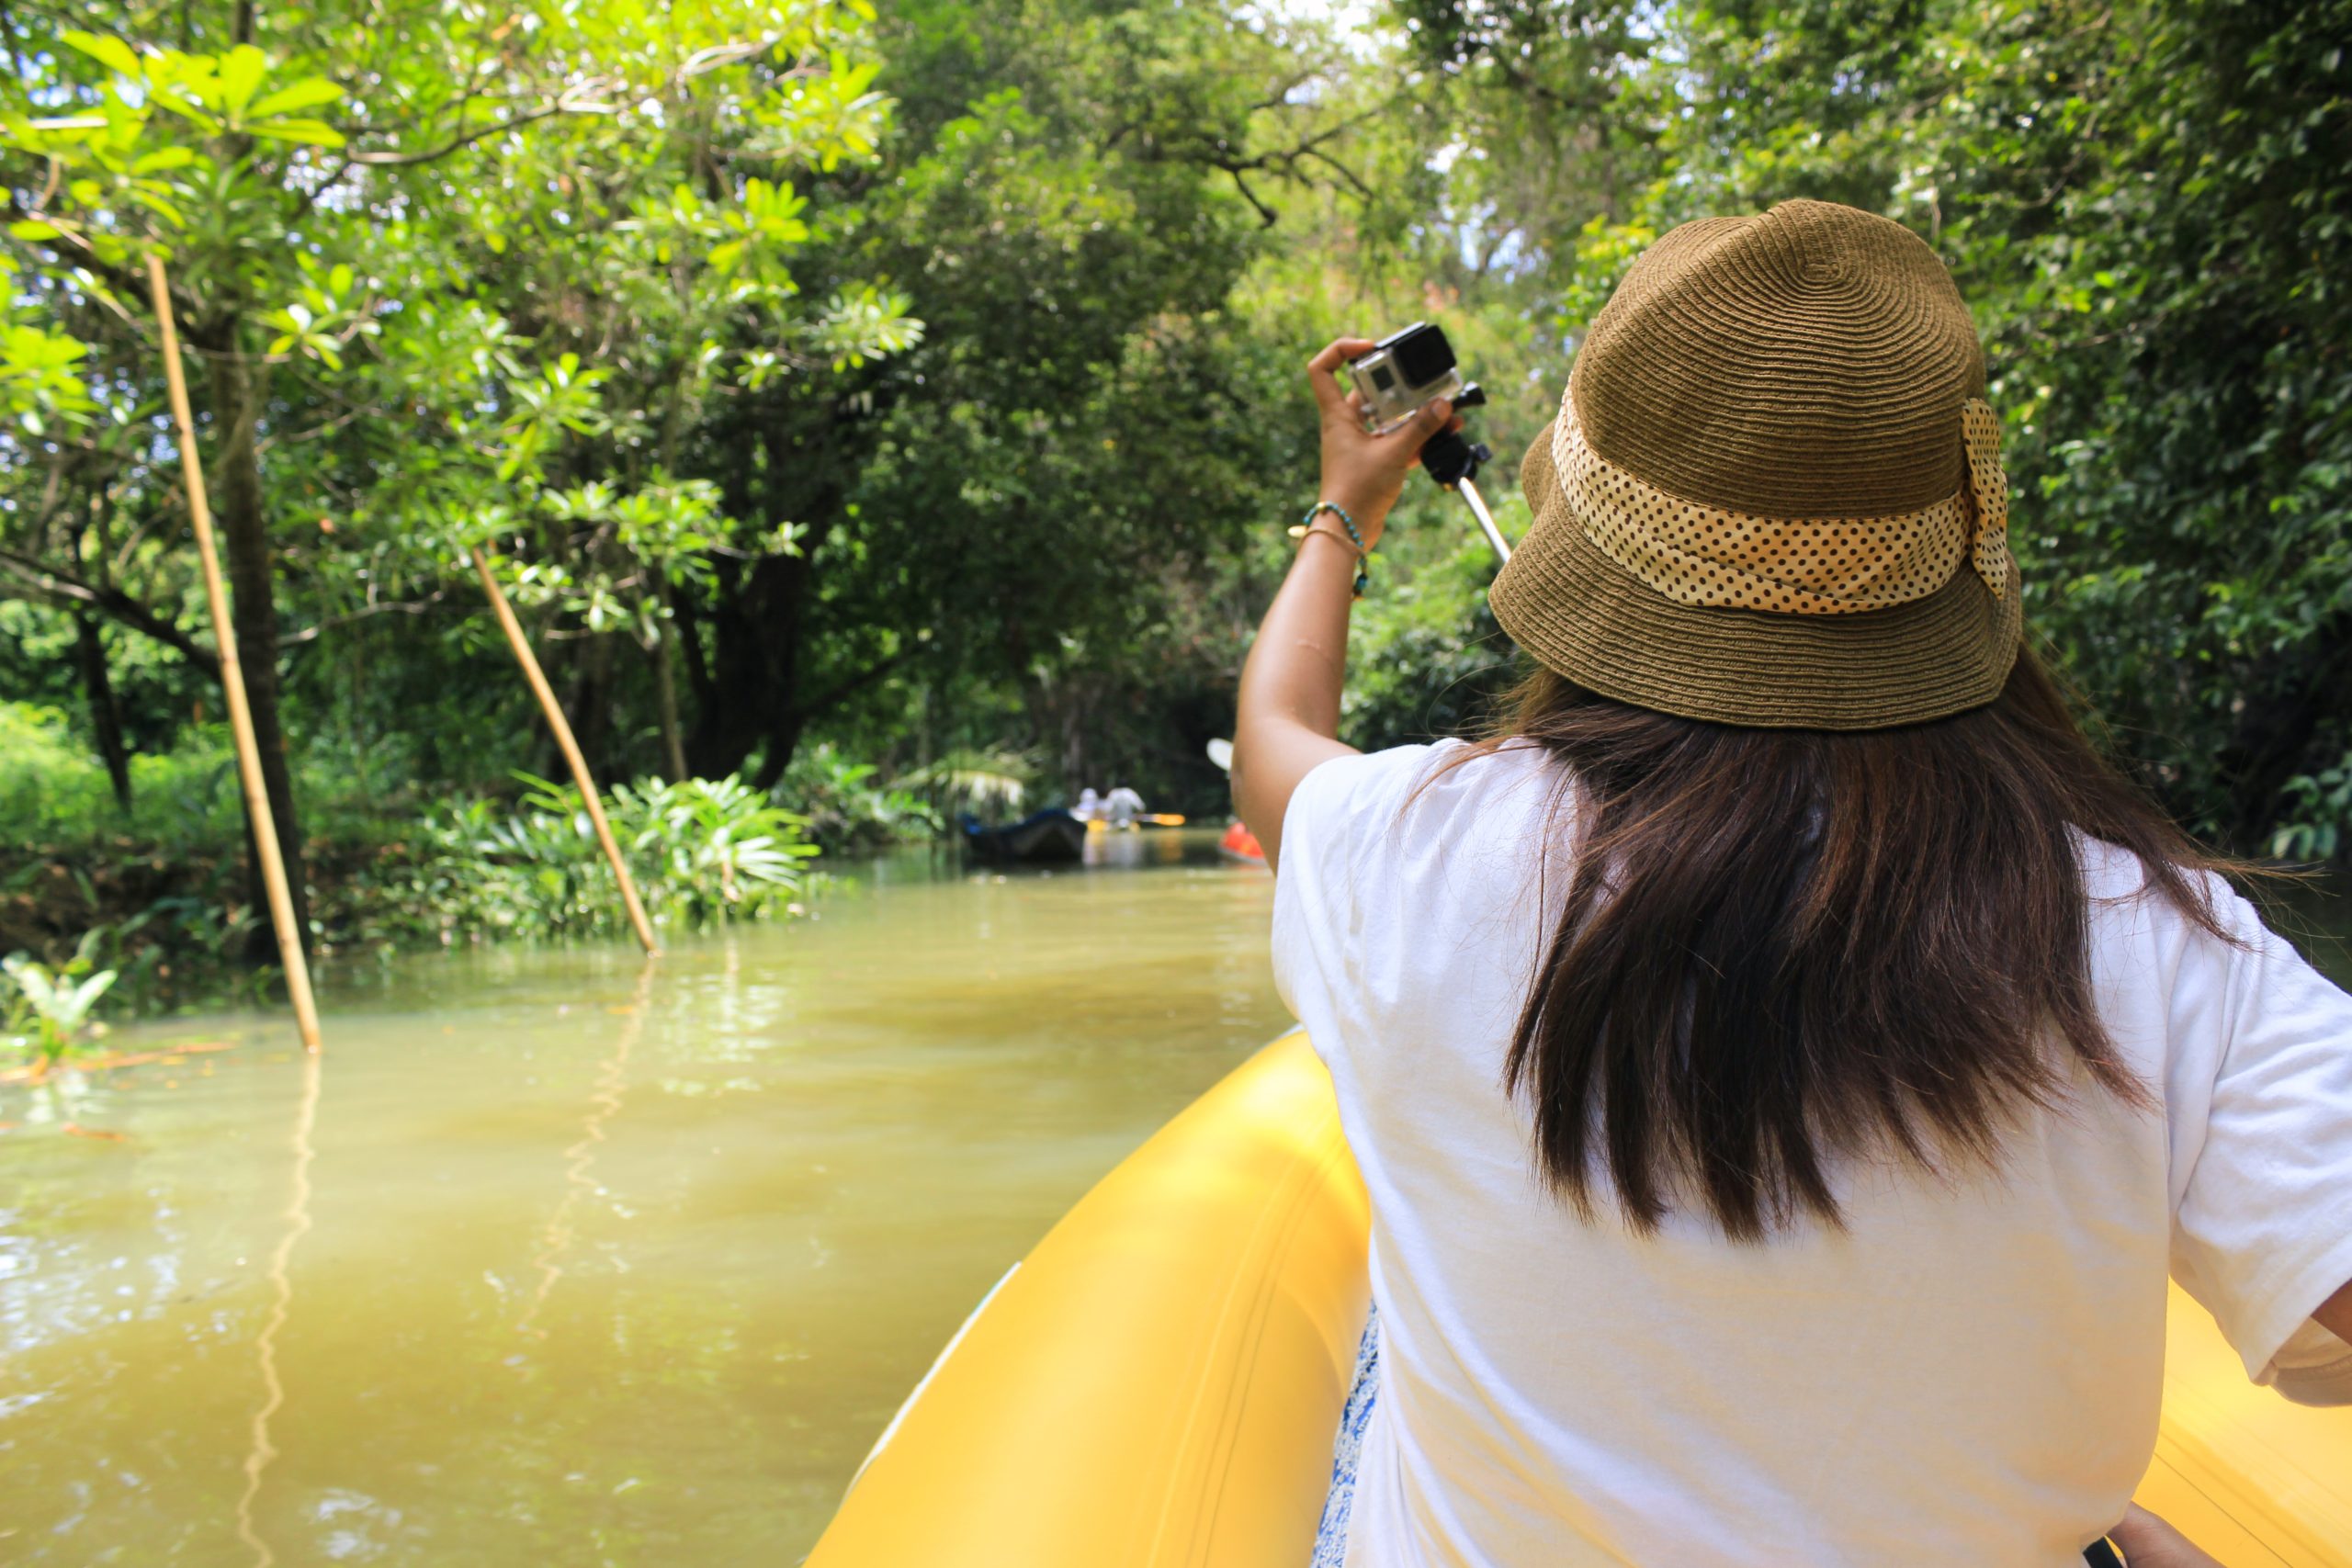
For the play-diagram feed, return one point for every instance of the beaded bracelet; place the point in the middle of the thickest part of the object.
(1306, 526)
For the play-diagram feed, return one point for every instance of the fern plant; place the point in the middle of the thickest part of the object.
(702, 851)
(50, 1013)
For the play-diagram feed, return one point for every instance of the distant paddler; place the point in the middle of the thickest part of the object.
(1122, 806)
(1122, 809)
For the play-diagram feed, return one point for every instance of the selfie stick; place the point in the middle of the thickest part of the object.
(1453, 462)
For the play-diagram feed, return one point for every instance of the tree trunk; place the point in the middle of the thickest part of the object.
(756, 621)
(591, 706)
(749, 691)
(106, 715)
(756, 643)
(665, 692)
(784, 740)
(245, 534)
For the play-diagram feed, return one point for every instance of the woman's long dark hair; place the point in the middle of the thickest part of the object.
(1781, 947)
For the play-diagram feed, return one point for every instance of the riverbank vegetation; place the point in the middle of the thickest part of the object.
(855, 398)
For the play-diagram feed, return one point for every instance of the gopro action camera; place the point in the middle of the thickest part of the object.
(1405, 370)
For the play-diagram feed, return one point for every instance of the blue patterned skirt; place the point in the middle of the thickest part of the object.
(1331, 1535)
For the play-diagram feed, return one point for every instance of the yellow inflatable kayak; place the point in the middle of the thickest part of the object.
(1157, 1386)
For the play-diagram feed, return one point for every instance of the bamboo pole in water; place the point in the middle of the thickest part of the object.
(232, 677)
(563, 737)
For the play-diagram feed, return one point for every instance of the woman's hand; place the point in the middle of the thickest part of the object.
(2149, 1542)
(1362, 472)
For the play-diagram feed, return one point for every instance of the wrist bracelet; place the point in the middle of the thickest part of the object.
(1306, 526)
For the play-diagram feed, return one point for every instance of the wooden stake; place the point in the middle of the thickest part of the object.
(232, 678)
(562, 727)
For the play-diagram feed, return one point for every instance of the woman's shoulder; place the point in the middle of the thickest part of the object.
(1411, 805)
(1446, 776)
(2124, 894)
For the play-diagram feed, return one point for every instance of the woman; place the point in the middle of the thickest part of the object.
(1786, 1063)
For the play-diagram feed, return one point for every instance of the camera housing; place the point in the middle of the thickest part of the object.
(1405, 371)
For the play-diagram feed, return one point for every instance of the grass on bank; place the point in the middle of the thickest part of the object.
(147, 911)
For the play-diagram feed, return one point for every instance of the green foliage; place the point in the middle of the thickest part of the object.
(702, 851)
(718, 850)
(1424, 656)
(2319, 805)
(54, 795)
(2144, 204)
(41, 381)
(991, 783)
(462, 275)
(49, 1013)
(39, 761)
(155, 897)
(53, 792)
(845, 806)
(179, 951)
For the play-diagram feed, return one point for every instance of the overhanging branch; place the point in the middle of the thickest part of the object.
(63, 588)
(570, 103)
(804, 711)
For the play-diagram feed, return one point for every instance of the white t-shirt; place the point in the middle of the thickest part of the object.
(1968, 1375)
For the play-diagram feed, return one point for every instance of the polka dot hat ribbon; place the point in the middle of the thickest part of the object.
(1988, 487)
(1698, 554)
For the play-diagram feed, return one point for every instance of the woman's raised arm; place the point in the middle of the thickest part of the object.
(1289, 714)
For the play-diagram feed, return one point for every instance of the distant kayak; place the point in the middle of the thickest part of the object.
(1052, 837)
(1239, 843)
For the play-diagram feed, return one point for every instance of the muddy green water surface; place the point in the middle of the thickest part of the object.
(559, 1258)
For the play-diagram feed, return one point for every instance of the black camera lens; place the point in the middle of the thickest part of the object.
(1382, 378)
(1421, 355)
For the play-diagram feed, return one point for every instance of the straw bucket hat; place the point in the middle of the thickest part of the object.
(1773, 495)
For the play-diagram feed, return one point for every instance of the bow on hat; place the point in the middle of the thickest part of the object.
(1988, 488)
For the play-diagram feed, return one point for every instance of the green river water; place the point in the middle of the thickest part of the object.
(558, 1258)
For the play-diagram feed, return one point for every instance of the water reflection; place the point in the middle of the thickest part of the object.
(593, 1261)
(604, 1104)
(281, 1285)
(1137, 847)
